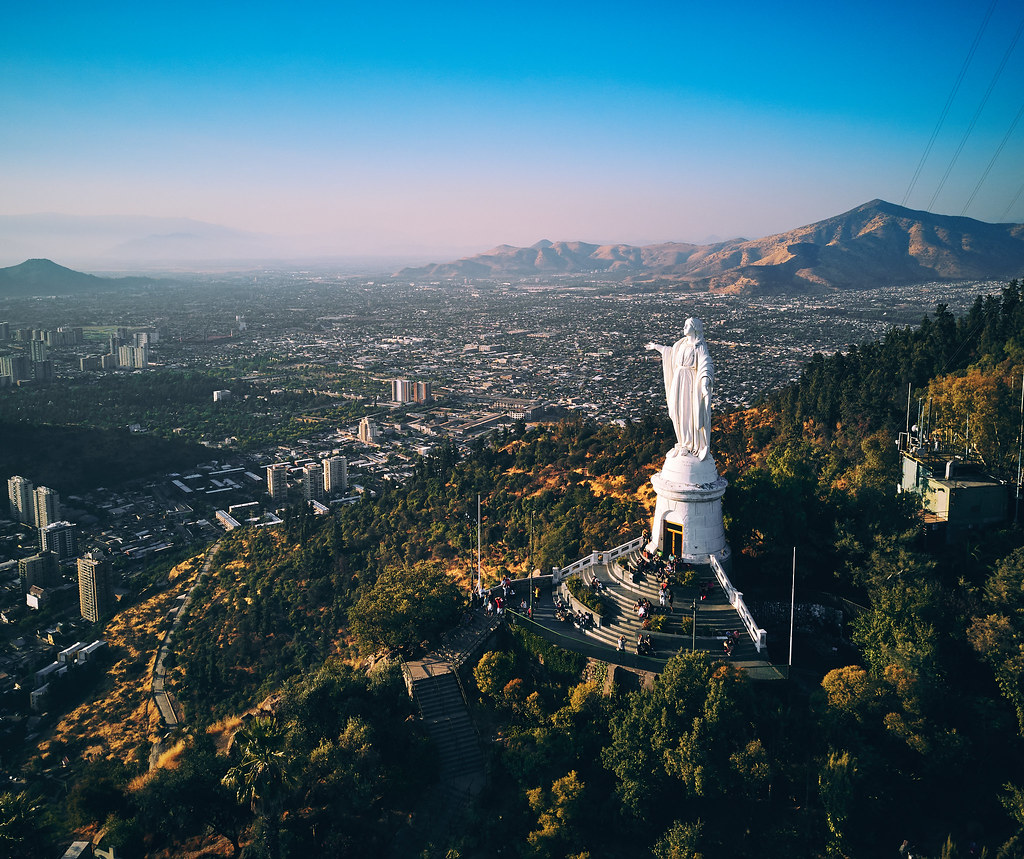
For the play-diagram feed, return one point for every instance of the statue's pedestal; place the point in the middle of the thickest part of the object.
(688, 516)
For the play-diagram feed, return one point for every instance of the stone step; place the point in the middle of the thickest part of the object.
(709, 635)
(437, 701)
(715, 617)
(447, 722)
(711, 613)
(458, 748)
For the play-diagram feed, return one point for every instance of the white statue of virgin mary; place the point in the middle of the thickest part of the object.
(689, 381)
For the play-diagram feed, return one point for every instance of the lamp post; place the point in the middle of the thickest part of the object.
(693, 631)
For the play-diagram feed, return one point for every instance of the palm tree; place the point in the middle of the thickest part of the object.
(19, 826)
(261, 777)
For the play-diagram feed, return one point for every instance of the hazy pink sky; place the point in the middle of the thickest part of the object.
(454, 127)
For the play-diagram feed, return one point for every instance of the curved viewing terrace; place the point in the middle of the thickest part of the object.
(690, 622)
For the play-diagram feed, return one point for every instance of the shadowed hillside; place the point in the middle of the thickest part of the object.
(44, 277)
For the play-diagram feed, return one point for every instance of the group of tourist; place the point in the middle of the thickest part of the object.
(665, 595)
(582, 620)
(642, 607)
(730, 640)
(644, 647)
(664, 570)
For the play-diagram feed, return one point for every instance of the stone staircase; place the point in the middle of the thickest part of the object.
(446, 719)
(715, 617)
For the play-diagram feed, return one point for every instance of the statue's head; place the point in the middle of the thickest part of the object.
(695, 327)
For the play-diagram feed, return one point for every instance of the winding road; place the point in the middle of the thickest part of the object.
(161, 697)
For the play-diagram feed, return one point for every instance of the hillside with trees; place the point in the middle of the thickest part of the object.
(908, 735)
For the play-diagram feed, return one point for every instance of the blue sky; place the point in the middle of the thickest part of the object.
(453, 127)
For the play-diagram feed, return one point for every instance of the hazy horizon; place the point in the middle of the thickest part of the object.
(427, 134)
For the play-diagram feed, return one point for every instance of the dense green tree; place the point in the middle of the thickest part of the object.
(406, 606)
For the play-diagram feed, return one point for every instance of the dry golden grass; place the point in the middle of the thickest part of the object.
(118, 720)
(171, 758)
(223, 731)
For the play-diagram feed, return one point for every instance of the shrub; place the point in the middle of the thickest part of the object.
(595, 602)
(656, 622)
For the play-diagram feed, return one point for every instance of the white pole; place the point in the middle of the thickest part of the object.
(792, 609)
(479, 567)
(1020, 441)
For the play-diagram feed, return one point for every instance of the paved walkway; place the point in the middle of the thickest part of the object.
(161, 697)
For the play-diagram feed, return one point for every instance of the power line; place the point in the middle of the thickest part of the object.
(949, 101)
(977, 113)
(1013, 203)
(995, 156)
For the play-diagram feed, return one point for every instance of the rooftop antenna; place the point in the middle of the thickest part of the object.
(479, 567)
(909, 386)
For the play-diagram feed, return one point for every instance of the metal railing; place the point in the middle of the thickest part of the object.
(735, 597)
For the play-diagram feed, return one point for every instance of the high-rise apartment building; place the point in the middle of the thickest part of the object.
(41, 570)
(422, 393)
(95, 592)
(43, 371)
(368, 432)
(19, 491)
(5, 330)
(38, 350)
(17, 367)
(59, 538)
(335, 475)
(46, 506)
(66, 336)
(313, 482)
(133, 357)
(277, 480)
(401, 391)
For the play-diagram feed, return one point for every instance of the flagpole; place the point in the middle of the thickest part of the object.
(1020, 442)
(792, 610)
(479, 567)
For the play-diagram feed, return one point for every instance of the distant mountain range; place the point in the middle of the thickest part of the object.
(43, 277)
(875, 244)
(116, 240)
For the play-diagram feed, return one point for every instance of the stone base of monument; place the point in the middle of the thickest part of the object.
(688, 516)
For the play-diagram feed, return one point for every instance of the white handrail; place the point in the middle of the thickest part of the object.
(735, 597)
(596, 558)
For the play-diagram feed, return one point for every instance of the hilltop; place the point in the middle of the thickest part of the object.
(45, 277)
(875, 244)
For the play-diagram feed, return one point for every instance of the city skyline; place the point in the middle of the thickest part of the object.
(443, 132)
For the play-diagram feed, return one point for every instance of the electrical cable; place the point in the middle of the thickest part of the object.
(949, 101)
(977, 113)
(995, 156)
(1013, 202)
